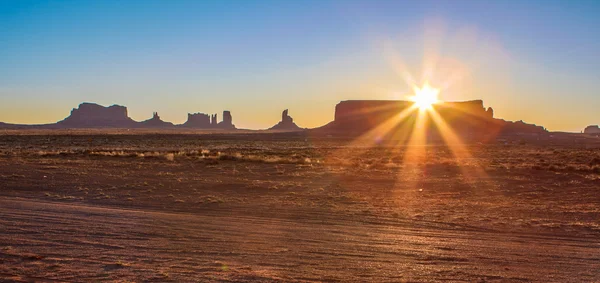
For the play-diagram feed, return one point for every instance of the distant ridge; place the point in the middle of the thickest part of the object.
(92, 115)
(468, 118)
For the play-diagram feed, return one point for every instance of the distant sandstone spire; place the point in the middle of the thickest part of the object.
(227, 122)
(286, 123)
(213, 120)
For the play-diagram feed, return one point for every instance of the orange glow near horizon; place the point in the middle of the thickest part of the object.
(412, 134)
(425, 97)
(412, 130)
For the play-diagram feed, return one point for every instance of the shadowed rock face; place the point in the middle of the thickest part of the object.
(286, 123)
(594, 129)
(464, 118)
(90, 115)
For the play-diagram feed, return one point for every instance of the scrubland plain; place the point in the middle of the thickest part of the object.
(166, 207)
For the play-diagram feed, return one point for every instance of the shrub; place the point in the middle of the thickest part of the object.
(170, 156)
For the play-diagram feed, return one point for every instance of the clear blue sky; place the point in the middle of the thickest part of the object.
(531, 60)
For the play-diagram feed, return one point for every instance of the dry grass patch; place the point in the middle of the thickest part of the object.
(210, 199)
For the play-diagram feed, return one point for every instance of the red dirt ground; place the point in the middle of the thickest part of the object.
(189, 208)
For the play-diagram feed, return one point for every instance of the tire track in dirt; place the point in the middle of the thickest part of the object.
(75, 242)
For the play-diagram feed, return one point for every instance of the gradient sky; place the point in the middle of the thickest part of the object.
(535, 61)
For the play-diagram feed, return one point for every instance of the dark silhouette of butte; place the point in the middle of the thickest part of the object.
(464, 118)
(197, 120)
(205, 121)
(352, 117)
(91, 115)
(286, 123)
(227, 122)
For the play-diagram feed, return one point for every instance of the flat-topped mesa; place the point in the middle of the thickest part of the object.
(197, 120)
(468, 117)
(472, 108)
(350, 111)
(227, 122)
(365, 114)
(91, 115)
(286, 123)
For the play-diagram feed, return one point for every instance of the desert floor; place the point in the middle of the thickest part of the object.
(230, 208)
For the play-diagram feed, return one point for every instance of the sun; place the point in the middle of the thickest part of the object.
(425, 96)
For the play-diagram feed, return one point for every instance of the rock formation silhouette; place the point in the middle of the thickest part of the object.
(155, 122)
(490, 112)
(468, 118)
(227, 122)
(286, 123)
(592, 130)
(285, 118)
(91, 115)
(197, 120)
(205, 121)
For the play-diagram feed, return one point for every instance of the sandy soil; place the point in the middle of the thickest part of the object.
(200, 209)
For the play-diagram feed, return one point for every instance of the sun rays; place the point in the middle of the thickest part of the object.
(425, 97)
(410, 132)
